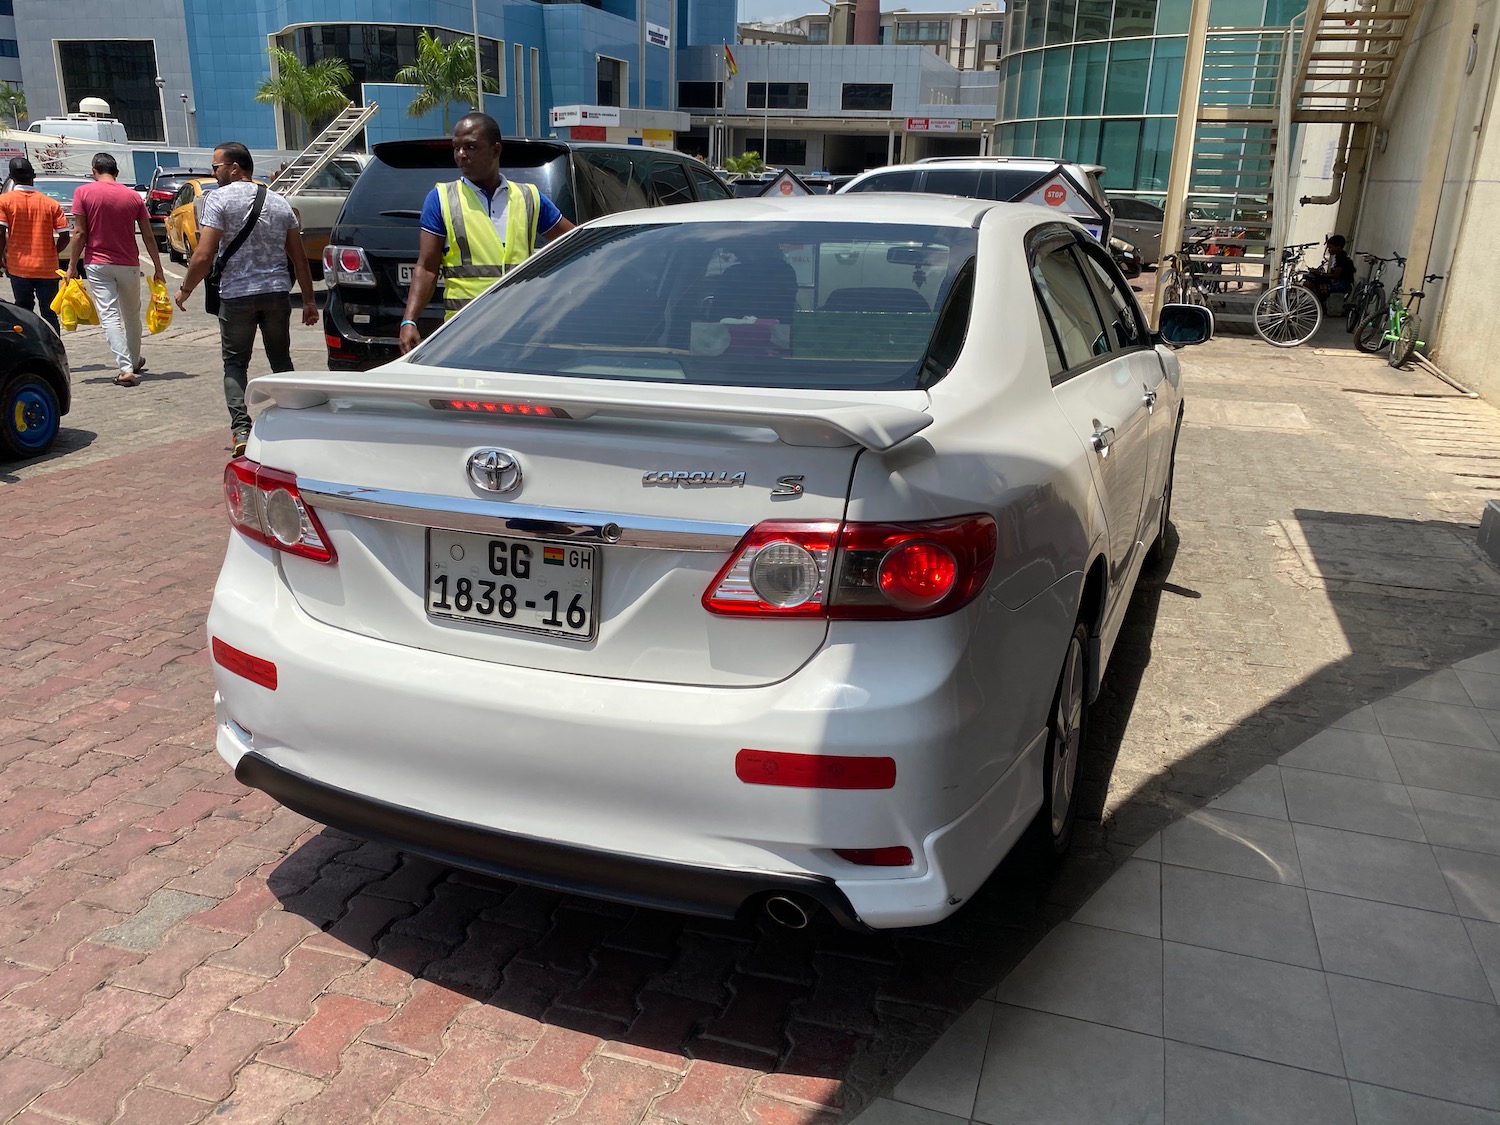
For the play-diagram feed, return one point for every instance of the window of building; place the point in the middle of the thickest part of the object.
(7, 7)
(121, 71)
(610, 87)
(1094, 19)
(1057, 65)
(1061, 15)
(994, 31)
(1134, 17)
(374, 52)
(867, 95)
(1166, 75)
(1129, 68)
(1086, 88)
(818, 33)
(517, 61)
(921, 31)
(784, 95)
(536, 92)
(782, 151)
(700, 95)
(9, 49)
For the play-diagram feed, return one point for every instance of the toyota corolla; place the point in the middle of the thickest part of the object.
(763, 555)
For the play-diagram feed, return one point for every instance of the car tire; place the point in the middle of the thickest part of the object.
(30, 416)
(1067, 724)
(1156, 554)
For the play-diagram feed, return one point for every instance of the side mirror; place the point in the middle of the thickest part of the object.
(1179, 325)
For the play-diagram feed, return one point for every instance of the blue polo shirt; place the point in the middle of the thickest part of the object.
(548, 216)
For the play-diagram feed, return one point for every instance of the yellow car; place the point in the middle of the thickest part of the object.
(184, 215)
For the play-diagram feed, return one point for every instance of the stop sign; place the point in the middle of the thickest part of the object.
(1055, 195)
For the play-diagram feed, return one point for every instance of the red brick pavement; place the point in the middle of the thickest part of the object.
(177, 947)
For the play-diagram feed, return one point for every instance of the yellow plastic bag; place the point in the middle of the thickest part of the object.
(159, 312)
(73, 305)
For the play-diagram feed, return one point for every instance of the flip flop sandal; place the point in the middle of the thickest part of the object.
(126, 379)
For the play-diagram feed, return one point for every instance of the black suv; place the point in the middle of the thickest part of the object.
(160, 193)
(373, 246)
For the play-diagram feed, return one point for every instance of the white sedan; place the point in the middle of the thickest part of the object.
(761, 554)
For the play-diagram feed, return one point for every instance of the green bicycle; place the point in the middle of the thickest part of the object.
(1397, 325)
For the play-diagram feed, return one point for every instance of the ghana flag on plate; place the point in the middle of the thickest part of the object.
(552, 556)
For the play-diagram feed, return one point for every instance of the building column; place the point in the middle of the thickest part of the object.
(1180, 175)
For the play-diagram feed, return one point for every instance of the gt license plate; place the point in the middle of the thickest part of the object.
(529, 584)
(404, 271)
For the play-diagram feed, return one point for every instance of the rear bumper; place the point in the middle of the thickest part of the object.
(373, 341)
(632, 880)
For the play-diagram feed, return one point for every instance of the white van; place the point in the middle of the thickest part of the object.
(82, 126)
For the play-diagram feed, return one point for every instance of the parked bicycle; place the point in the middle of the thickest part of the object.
(1289, 313)
(1396, 325)
(1370, 292)
(1190, 282)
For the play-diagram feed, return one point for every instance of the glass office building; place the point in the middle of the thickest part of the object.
(1097, 81)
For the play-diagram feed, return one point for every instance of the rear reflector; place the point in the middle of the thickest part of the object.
(876, 857)
(814, 771)
(252, 668)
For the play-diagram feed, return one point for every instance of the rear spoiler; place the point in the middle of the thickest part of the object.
(797, 417)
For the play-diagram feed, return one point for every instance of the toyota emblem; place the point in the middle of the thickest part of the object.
(495, 470)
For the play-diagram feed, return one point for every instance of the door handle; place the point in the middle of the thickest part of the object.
(1148, 399)
(1104, 437)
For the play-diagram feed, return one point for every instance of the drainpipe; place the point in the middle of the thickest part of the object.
(1340, 167)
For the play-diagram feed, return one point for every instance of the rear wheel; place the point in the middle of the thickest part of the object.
(1171, 288)
(29, 416)
(1287, 318)
(1405, 345)
(1065, 740)
(1355, 312)
(1370, 335)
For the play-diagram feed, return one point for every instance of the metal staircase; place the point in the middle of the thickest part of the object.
(324, 147)
(1336, 63)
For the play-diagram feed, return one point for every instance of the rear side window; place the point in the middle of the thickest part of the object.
(605, 184)
(953, 181)
(820, 305)
(1137, 209)
(1125, 326)
(889, 181)
(708, 187)
(1069, 303)
(666, 182)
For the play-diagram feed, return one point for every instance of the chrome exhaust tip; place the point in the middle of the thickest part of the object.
(787, 912)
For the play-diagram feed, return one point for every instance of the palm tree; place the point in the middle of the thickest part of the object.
(308, 93)
(13, 103)
(446, 75)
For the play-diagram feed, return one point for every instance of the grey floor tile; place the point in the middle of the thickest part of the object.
(1352, 752)
(1440, 687)
(1361, 719)
(1458, 769)
(1492, 720)
(946, 1077)
(1233, 843)
(1246, 1006)
(1486, 939)
(1130, 900)
(1373, 867)
(1358, 804)
(1483, 688)
(1258, 795)
(1091, 974)
(1434, 722)
(884, 1111)
(1457, 820)
(1398, 945)
(1150, 850)
(1484, 662)
(1474, 879)
(1213, 1086)
(1375, 1105)
(1418, 1041)
(1238, 915)
(1050, 1070)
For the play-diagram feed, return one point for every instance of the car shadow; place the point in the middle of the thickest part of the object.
(856, 1011)
(69, 440)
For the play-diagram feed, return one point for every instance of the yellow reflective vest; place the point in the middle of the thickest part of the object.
(474, 257)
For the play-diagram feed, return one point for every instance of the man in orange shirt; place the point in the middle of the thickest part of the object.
(29, 222)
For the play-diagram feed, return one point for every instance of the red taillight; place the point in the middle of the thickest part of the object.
(161, 195)
(253, 668)
(347, 265)
(265, 505)
(869, 571)
(516, 409)
(876, 857)
(814, 771)
(351, 259)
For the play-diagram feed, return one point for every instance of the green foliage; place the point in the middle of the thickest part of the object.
(446, 75)
(745, 165)
(13, 103)
(309, 93)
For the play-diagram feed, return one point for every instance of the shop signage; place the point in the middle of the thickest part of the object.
(567, 115)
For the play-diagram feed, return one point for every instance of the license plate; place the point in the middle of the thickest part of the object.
(404, 272)
(529, 584)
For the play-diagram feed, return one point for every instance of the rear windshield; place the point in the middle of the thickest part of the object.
(786, 304)
(1003, 184)
(387, 194)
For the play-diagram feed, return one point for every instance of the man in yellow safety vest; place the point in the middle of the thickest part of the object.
(476, 228)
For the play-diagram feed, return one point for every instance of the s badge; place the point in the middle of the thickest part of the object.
(788, 486)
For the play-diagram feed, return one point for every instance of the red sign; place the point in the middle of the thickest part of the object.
(587, 133)
(1055, 195)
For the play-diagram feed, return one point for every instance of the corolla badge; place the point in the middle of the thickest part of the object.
(495, 470)
(694, 478)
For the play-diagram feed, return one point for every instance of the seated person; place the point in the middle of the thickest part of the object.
(1336, 273)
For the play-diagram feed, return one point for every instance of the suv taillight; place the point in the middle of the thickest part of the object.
(347, 265)
(265, 505)
(868, 571)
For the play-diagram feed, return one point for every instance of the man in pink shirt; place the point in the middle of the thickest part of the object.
(108, 215)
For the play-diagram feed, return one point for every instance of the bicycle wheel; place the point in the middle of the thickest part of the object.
(1370, 335)
(1354, 312)
(1171, 287)
(1287, 321)
(1405, 345)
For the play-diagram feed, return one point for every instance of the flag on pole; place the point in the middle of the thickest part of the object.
(729, 62)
